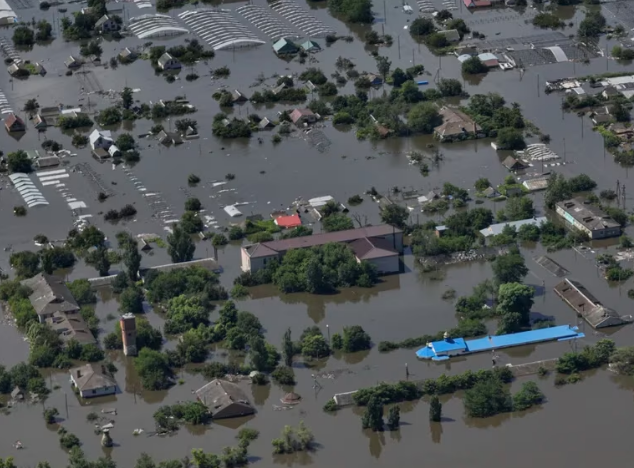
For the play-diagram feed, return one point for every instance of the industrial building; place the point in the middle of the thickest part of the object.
(588, 218)
(379, 245)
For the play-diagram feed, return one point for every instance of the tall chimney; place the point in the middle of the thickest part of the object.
(128, 334)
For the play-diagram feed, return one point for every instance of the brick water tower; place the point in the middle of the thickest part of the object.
(128, 334)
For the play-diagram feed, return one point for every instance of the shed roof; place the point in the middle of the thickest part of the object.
(224, 399)
(50, 294)
(586, 305)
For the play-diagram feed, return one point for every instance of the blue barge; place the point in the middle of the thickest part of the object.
(449, 347)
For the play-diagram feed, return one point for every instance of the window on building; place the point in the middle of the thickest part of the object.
(94, 392)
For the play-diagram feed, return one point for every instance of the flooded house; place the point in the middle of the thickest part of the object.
(311, 46)
(237, 97)
(106, 24)
(72, 63)
(587, 218)
(93, 380)
(55, 305)
(224, 399)
(452, 35)
(301, 117)
(101, 139)
(14, 123)
(513, 164)
(456, 125)
(265, 124)
(587, 306)
(285, 47)
(167, 62)
(380, 245)
(127, 55)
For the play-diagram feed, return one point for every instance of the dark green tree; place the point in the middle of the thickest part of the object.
(126, 96)
(394, 418)
(132, 260)
(181, 247)
(355, 339)
(435, 409)
(509, 268)
(423, 118)
(131, 300)
(474, 66)
(395, 215)
(18, 161)
(487, 398)
(288, 348)
(373, 415)
(398, 77)
(101, 261)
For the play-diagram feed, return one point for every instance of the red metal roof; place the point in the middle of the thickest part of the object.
(288, 221)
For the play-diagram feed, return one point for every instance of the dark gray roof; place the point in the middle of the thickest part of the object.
(50, 295)
(224, 399)
(371, 248)
(592, 217)
(266, 249)
(586, 305)
(71, 327)
(92, 377)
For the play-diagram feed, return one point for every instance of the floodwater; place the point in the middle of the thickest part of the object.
(402, 306)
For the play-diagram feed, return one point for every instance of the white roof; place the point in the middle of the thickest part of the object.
(496, 229)
(145, 26)
(463, 58)
(320, 201)
(6, 11)
(113, 150)
(487, 56)
(96, 134)
(559, 54)
(232, 211)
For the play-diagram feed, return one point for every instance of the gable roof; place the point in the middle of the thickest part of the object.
(71, 327)
(289, 221)
(224, 399)
(299, 113)
(267, 249)
(92, 377)
(371, 248)
(586, 305)
(96, 134)
(310, 45)
(511, 163)
(101, 21)
(455, 122)
(12, 120)
(50, 294)
(165, 58)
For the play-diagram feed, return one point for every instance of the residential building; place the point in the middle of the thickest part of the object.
(513, 164)
(265, 124)
(93, 380)
(169, 138)
(127, 55)
(452, 35)
(489, 59)
(302, 117)
(495, 229)
(106, 24)
(72, 63)
(288, 222)
(128, 334)
(50, 295)
(16, 68)
(39, 69)
(100, 154)
(14, 123)
(167, 62)
(114, 151)
(55, 305)
(375, 80)
(490, 192)
(456, 125)
(466, 50)
(39, 123)
(587, 306)
(47, 161)
(237, 97)
(257, 256)
(285, 47)
(311, 46)
(378, 252)
(224, 399)
(101, 139)
(588, 218)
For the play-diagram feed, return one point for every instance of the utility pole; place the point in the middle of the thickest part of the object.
(398, 41)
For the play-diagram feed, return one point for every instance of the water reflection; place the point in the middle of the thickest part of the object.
(435, 428)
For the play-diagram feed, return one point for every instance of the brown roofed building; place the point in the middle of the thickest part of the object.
(513, 164)
(14, 123)
(93, 380)
(50, 295)
(257, 256)
(587, 306)
(378, 252)
(456, 125)
(224, 399)
(303, 116)
(71, 327)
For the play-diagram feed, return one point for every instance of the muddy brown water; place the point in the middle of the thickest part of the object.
(566, 428)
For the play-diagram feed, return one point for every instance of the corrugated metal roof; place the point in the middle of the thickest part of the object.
(496, 229)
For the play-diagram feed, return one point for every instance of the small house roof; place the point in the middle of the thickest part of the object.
(452, 35)
(266, 123)
(310, 45)
(12, 119)
(513, 164)
(287, 222)
(291, 398)
(224, 399)
(284, 45)
(96, 134)
(92, 377)
(164, 59)
(101, 21)
(299, 113)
